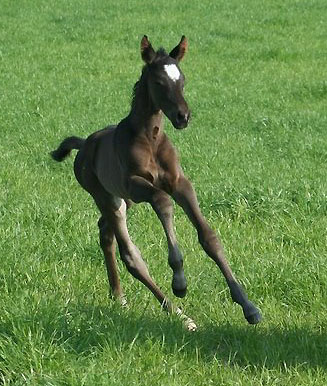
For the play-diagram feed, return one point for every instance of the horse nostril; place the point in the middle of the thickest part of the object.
(182, 117)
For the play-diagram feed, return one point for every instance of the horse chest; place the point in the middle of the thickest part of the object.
(157, 173)
(164, 179)
(154, 158)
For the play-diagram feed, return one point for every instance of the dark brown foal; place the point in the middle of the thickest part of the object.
(135, 161)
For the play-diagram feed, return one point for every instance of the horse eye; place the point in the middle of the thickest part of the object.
(159, 83)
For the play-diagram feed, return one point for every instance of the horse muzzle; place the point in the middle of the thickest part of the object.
(181, 119)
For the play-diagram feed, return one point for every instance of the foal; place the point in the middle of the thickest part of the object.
(135, 161)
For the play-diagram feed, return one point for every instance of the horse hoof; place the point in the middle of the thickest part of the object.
(254, 318)
(180, 293)
(252, 314)
(188, 322)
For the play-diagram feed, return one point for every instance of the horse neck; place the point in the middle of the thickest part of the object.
(144, 116)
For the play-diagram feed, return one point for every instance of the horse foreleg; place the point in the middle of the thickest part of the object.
(131, 256)
(185, 196)
(141, 190)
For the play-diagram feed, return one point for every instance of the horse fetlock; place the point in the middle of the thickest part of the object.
(237, 293)
(175, 259)
(179, 284)
(119, 296)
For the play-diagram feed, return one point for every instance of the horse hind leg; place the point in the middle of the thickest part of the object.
(131, 255)
(89, 182)
(107, 243)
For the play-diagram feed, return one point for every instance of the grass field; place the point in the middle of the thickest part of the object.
(255, 151)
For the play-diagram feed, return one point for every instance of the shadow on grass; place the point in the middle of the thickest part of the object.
(88, 329)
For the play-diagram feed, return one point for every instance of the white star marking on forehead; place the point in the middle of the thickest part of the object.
(172, 71)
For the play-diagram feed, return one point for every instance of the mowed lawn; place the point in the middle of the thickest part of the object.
(255, 151)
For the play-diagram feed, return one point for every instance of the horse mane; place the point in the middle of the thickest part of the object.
(135, 91)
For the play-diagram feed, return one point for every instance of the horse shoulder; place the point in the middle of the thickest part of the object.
(139, 159)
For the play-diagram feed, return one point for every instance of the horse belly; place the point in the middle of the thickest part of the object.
(108, 168)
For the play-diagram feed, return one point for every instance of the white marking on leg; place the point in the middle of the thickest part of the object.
(123, 302)
(122, 208)
(172, 71)
(188, 322)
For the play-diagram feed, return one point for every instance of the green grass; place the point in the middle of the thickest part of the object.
(255, 151)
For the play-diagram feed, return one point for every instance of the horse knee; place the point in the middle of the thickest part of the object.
(162, 205)
(208, 240)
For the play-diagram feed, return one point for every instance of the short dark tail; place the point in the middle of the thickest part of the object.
(66, 146)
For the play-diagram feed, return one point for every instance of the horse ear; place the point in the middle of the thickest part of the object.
(147, 52)
(180, 50)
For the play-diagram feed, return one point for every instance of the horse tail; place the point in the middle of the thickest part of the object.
(66, 146)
